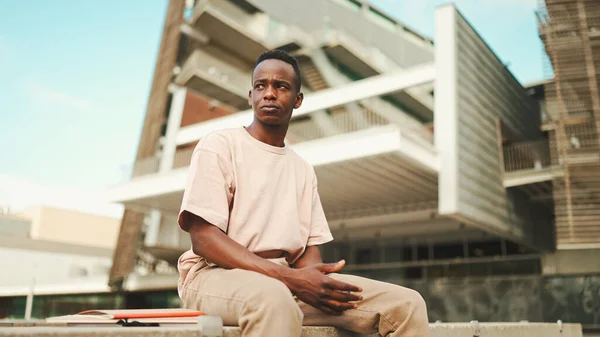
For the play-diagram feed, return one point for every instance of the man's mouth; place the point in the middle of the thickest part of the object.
(269, 108)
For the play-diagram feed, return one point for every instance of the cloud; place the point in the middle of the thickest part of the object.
(41, 92)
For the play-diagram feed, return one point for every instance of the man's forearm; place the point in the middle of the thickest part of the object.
(311, 256)
(214, 245)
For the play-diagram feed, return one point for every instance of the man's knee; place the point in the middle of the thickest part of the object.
(274, 297)
(411, 301)
(417, 303)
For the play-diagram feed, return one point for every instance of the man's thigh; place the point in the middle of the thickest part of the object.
(229, 292)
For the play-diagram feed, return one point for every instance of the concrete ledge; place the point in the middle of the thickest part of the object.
(436, 330)
(505, 330)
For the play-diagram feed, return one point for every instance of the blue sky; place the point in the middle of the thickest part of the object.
(76, 76)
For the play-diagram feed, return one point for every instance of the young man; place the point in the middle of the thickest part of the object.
(252, 209)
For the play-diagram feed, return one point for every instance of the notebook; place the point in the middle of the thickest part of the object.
(144, 316)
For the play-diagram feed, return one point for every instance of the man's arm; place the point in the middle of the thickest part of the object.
(309, 283)
(311, 256)
(211, 243)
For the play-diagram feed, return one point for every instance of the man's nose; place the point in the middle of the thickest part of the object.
(270, 93)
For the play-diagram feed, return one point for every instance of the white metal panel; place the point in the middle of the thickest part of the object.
(473, 90)
(487, 91)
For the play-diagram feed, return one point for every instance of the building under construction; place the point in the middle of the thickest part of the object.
(570, 31)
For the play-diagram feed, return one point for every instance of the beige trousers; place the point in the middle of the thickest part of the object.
(263, 306)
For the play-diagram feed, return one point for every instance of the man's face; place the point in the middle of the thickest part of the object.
(273, 95)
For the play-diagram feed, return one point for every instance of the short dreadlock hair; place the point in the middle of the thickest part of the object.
(285, 57)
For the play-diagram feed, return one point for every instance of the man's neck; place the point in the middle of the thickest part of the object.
(270, 134)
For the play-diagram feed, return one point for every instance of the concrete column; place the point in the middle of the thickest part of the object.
(152, 220)
(446, 123)
(175, 114)
(29, 300)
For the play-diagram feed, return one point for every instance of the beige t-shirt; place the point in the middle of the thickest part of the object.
(262, 196)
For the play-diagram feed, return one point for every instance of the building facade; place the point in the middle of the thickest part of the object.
(436, 167)
(390, 168)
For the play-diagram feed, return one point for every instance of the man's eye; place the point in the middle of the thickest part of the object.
(258, 86)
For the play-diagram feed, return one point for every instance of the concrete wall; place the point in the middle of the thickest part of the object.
(474, 90)
(310, 15)
(574, 299)
(73, 227)
(199, 109)
(14, 226)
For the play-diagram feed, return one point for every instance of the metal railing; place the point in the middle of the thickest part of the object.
(151, 165)
(343, 121)
(527, 155)
(541, 154)
(183, 157)
(581, 138)
(340, 122)
(145, 166)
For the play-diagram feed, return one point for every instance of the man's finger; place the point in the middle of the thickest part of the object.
(338, 306)
(332, 267)
(342, 296)
(338, 285)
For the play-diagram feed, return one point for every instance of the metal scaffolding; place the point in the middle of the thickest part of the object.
(570, 31)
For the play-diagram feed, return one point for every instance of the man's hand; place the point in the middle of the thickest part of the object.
(309, 283)
(313, 287)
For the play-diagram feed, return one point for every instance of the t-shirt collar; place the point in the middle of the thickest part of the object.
(264, 146)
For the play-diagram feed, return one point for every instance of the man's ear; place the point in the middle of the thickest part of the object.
(250, 97)
(299, 99)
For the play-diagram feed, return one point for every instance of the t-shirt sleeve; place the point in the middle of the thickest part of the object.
(319, 229)
(208, 192)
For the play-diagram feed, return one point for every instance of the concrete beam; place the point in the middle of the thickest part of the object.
(524, 177)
